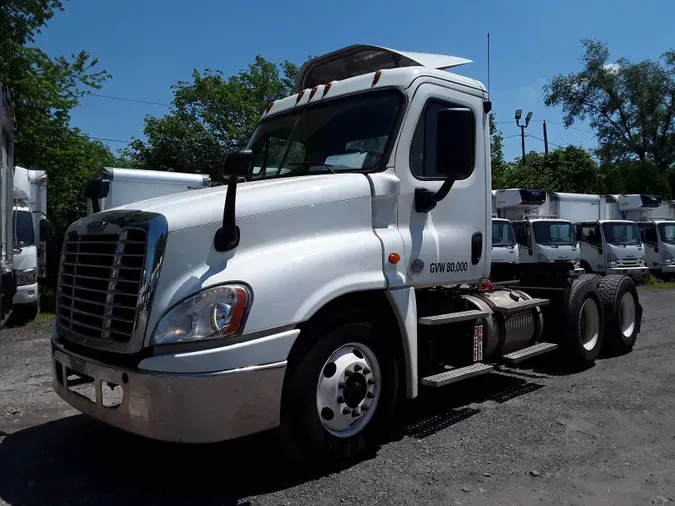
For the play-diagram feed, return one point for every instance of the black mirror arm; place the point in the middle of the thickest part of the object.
(227, 236)
(426, 200)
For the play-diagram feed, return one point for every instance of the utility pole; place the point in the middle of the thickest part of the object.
(545, 139)
(519, 114)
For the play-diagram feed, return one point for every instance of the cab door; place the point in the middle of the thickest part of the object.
(444, 136)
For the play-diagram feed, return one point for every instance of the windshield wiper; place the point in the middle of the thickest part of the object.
(307, 165)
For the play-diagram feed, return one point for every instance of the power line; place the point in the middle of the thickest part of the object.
(109, 140)
(129, 100)
(542, 140)
(555, 123)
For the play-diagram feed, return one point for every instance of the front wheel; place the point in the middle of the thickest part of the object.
(340, 394)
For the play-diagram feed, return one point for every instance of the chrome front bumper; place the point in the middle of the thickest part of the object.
(629, 271)
(179, 407)
(668, 268)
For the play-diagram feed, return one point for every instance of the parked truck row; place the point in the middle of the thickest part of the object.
(345, 265)
(603, 234)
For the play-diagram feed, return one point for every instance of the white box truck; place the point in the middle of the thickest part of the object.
(113, 187)
(32, 230)
(608, 244)
(656, 221)
(7, 278)
(347, 269)
(543, 237)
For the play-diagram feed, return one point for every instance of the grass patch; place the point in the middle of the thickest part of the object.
(655, 282)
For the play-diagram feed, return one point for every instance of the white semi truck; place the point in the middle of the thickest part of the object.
(543, 237)
(344, 266)
(32, 230)
(113, 187)
(656, 221)
(608, 243)
(7, 277)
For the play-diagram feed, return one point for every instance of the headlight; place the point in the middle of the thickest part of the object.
(541, 258)
(26, 277)
(667, 257)
(612, 259)
(214, 313)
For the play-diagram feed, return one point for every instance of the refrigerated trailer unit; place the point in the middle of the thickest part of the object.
(7, 278)
(113, 187)
(309, 299)
(608, 243)
(543, 237)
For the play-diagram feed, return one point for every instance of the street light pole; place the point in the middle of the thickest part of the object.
(519, 114)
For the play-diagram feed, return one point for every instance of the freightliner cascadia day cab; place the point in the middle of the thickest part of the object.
(348, 268)
(543, 237)
(7, 276)
(113, 187)
(609, 244)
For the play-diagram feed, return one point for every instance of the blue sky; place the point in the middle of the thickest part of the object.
(147, 45)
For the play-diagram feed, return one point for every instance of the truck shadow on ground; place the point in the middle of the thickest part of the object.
(77, 460)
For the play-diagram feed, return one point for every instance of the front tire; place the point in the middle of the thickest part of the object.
(623, 313)
(341, 392)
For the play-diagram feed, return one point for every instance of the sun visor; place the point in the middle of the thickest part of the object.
(363, 59)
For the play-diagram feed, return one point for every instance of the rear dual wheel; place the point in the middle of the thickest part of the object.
(623, 312)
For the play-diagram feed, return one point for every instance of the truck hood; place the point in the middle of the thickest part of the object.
(205, 206)
(27, 259)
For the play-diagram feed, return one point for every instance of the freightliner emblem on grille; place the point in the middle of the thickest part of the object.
(96, 225)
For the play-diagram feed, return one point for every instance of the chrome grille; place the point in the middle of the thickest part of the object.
(99, 284)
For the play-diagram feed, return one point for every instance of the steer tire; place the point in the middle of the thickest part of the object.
(582, 317)
(302, 431)
(623, 313)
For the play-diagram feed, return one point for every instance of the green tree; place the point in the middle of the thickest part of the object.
(630, 106)
(496, 154)
(211, 117)
(570, 169)
(44, 91)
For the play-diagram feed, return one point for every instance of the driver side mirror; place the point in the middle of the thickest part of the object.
(455, 142)
(46, 231)
(238, 163)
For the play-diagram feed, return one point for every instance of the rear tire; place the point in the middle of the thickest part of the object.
(593, 278)
(623, 313)
(341, 392)
(25, 313)
(581, 328)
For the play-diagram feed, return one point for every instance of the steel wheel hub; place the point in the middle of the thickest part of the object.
(627, 314)
(348, 389)
(589, 324)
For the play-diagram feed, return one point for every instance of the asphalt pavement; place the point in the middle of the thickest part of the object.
(536, 435)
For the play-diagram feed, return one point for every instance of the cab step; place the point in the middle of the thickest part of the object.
(454, 375)
(460, 316)
(529, 352)
(518, 305)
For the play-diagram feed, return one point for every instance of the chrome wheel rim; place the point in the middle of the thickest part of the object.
(348, 390)
(589, 324)
(627, 314)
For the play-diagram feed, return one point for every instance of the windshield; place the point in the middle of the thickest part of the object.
(667, 232)
(23, 229)
(621, 233)
(558, 233)
(348, 134)
(502, 233)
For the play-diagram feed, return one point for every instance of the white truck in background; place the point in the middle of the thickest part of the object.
(608, 243)
(311, 301)
(113, 187)
(543, 237)
(656, 221)
(7, 278)
(32, 230)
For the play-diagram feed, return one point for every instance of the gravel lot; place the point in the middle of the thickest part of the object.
(533, 436)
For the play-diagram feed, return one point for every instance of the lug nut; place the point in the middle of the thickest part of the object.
(365, 408)
(340, 400)
(346, 411)
(371, 381)
(358, 367)
(366, 371)
(341, 384)
(370, 395)
(355, 413)
(348, 373)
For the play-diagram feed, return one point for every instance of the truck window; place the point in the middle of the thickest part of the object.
(649, 235)
(667, 232)
(345, 134)
(502, 234)
(554, 232)
(621, 233)
(423, 145)
(24, 235)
